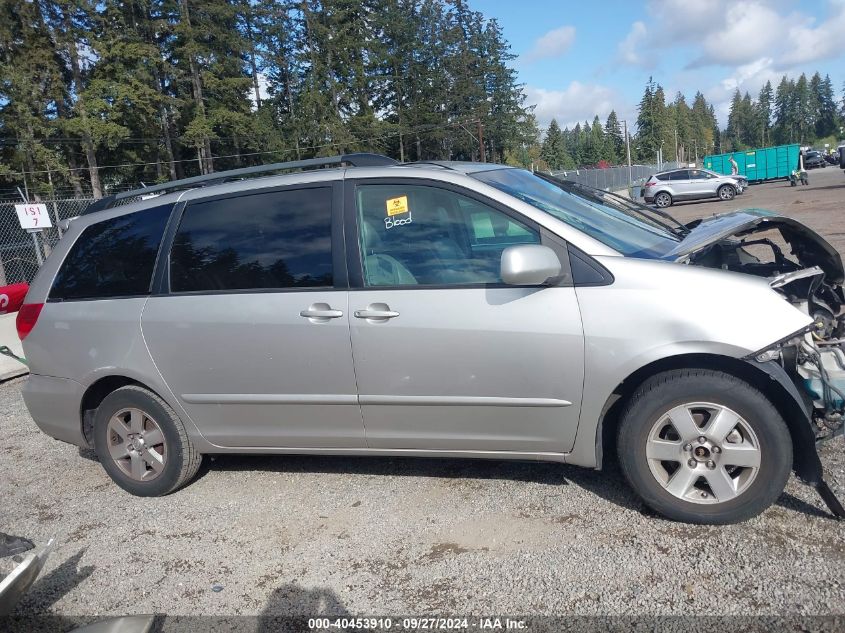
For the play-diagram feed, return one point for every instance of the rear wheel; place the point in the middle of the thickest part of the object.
(663, 200)
(702, 446)
(726, 192)
(142, 444)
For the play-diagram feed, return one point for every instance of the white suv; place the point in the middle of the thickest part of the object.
(668, 187)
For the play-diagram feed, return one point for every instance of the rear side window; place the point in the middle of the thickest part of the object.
(679, 175)
(113, 258)
(279, 239)
(662, 176)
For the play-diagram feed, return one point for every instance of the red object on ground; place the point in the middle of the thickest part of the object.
(11, 297)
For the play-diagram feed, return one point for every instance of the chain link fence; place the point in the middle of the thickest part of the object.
(21, 253)
(615, 178)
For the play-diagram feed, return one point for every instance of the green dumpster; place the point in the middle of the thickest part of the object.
(767, 163)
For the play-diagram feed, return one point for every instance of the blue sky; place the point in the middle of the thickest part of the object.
(579, 59)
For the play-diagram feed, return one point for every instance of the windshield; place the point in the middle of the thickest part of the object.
(623, 228)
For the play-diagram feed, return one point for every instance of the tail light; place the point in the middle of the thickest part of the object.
(650, 184)
(27, 317)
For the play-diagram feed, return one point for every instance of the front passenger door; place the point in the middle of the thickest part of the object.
(447, 357)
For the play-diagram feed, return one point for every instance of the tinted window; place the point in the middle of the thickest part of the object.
(415, 235)
(663, 176)
(280, 239)
(683, 174)
(113, 258)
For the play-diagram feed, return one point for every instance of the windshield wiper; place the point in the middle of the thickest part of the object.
(599, 195)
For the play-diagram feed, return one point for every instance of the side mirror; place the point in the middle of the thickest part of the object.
(529, 265)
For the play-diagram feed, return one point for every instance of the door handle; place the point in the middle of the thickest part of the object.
(321, 312)
(377, 312)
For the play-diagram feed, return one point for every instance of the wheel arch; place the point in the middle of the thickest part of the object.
(94, 395)
(668, 193)
(773, 382)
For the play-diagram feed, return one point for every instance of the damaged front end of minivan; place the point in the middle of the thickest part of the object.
(808, 272)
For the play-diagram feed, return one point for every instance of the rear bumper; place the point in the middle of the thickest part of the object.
(54, 404)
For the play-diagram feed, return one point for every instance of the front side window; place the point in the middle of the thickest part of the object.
(113, 258)
(273, 240)
(413, 235)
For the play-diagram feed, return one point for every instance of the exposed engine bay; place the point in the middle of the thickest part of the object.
(808, 272)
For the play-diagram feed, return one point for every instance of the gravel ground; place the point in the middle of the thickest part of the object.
(309, 535)
(305, 535)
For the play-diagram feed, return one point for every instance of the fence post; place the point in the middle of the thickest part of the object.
(37, 249)
(58, 219)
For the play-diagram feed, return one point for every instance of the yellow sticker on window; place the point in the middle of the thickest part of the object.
(395, 206)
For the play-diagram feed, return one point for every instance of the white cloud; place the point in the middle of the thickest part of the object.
(632, 48)
(577, 103)
(552, 44)
(751, 77)
(735, 32)
(747, 31)
(746, 78)
(808, 43)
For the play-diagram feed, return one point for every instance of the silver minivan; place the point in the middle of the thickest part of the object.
(361, 307)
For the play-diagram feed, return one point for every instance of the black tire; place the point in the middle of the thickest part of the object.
(180, 458)
(660, 394)
(663, 200)
(726, 192)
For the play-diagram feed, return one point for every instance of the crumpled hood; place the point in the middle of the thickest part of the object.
(810, 248)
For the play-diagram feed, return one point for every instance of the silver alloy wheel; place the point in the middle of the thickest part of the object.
(136, 444)
(703, 453)
(662, 200)
(726, 192)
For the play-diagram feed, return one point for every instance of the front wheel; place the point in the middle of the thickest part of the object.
(702, 446)
(663, 200)
(726, 192)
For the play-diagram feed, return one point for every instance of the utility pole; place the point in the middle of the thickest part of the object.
(628, 152)
(481, 141)
(676, 146)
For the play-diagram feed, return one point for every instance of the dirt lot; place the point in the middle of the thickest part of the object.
(310, 535)
(820, 205)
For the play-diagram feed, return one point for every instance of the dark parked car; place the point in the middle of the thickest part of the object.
(814, 159)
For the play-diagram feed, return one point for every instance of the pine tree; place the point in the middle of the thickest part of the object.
(31, 91)
(553, 150)
(802, 107)
(651, 121)
(784, 128)
(615, 152)
(764, 113)
(701, 127)
(825, 124)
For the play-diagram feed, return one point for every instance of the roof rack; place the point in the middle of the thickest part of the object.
(354, 160)
(445, 164)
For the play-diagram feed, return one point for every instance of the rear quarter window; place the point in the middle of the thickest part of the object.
(113, 258)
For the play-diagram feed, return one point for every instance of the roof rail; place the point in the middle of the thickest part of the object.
(354, 160)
